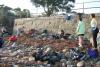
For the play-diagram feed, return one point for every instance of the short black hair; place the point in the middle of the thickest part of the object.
(80, 18)
(80, 14)
(93, 15)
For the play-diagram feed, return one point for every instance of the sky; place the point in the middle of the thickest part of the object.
(26, 4)
(87, 5)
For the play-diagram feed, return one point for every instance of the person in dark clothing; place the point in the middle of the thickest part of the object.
(95, 31)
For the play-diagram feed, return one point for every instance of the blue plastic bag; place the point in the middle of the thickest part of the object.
(92, 53)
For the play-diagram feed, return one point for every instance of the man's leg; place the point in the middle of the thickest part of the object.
(94, 39)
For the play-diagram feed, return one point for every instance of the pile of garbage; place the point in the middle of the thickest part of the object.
(43, 55)
(47, 50)
(45, 34)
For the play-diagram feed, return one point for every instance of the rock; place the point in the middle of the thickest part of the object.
(48, 65)
(19, 50)
(4, 58)
(81, 64)
(24, 58)
(47, 50)
(31, 58)
(70, 64)
(15, 65)
(65, 50)
(62, 39)
(13, 54)
(63, 61)
(14, 44)
(98, 64)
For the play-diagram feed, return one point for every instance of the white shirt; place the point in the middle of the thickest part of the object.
(93, 23)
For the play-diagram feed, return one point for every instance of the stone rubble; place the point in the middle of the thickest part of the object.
(46, 51)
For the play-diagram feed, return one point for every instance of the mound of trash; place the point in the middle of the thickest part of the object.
(47, 50)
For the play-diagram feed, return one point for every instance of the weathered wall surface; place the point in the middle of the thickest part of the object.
(53, 24)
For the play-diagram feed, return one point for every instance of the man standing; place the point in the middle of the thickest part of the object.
(95, 30)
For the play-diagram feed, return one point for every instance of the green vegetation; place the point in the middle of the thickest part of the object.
(7, 16)
(25, 13)
(52, 6)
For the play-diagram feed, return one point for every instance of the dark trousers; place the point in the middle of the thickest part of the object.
(1, 42)
(94, 33)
